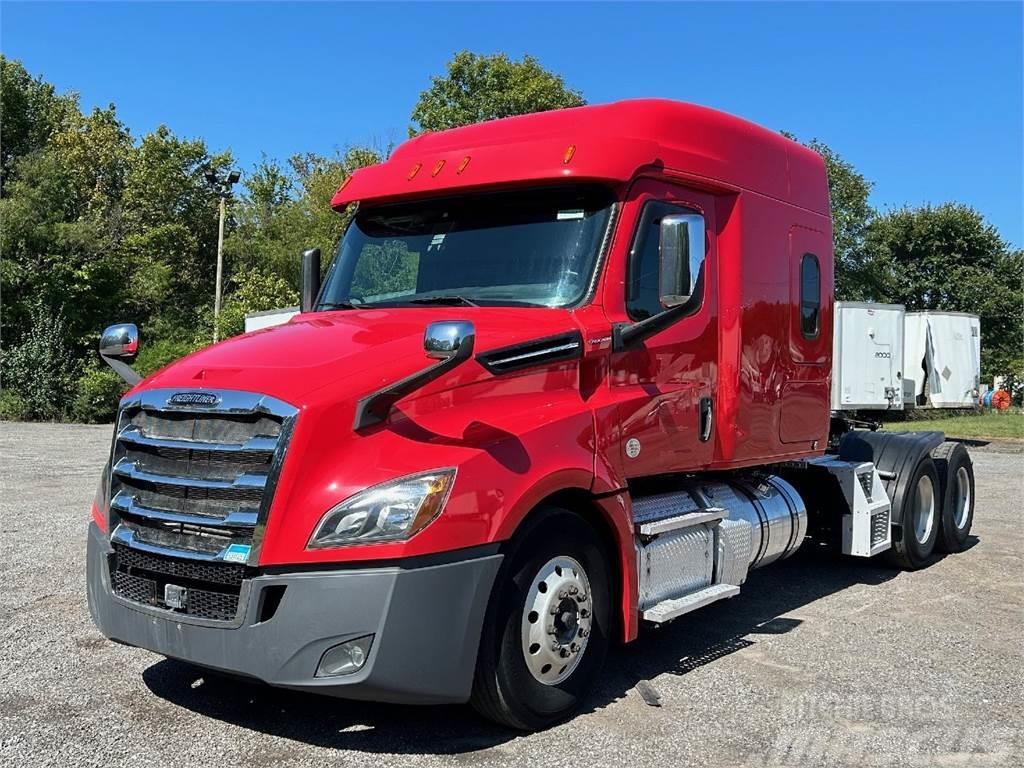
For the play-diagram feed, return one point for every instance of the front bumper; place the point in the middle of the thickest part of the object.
(426, 623)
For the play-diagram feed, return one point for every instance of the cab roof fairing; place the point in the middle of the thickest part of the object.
(611, 143)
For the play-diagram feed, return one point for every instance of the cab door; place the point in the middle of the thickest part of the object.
(664, 386)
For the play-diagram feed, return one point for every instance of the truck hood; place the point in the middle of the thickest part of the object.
(349, 353)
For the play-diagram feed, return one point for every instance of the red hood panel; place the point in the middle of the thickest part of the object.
(360, 350)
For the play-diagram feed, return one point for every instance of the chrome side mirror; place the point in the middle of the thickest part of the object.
(118, 346)
(120, 342)
(443, 340)
(681, 253)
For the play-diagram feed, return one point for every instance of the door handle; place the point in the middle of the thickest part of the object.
(706, 419)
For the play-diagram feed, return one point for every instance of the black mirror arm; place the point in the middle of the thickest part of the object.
(374, 408)
(123, 370)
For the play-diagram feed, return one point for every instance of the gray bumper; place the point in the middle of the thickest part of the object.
(426, 624)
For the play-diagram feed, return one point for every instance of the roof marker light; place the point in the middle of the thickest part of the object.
(462, 165)
(568, 154)
(437, 168)
(414, 171)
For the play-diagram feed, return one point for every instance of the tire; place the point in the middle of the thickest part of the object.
(558, 548)
(956, 487)
(914, 540)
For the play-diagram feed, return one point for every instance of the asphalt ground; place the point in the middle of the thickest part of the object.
(820, 661)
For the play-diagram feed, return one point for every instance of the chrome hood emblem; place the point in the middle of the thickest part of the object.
(203, 399)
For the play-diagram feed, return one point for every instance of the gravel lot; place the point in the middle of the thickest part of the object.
(818, 662)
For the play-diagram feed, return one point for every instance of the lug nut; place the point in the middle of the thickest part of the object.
(584, 631)
(584, 613)
(581, 597)
(564, 653)
(554, 645)
(573, 590)
(554, 610)
(562, 594)
(574, 648)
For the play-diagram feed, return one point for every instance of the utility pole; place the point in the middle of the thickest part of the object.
(222, 188)
(220, 267)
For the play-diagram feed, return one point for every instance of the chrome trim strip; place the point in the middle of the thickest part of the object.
(122, 502)
(132, 434)
(245, 481)
(232, 401)
(536, 353)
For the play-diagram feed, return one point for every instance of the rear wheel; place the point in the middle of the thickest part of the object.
(914, 540)
(956, 484)
(547, 626)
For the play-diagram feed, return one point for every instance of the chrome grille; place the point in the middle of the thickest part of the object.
(191, 487)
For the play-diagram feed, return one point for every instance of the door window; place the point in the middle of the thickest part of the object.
(643, 298)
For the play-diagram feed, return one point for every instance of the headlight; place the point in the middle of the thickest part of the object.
(391, 512)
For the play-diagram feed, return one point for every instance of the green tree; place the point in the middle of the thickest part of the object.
(857, 276)
(31, 111)
(288, 209)
(253, 291)
(949, 258)
(478, 87)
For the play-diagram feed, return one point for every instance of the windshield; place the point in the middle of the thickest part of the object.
(534, 247)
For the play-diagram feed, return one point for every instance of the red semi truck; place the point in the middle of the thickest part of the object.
(567, 373)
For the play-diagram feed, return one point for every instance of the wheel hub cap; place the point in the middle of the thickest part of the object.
(557, 620)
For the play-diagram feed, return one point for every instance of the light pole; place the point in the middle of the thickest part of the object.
(222, 188)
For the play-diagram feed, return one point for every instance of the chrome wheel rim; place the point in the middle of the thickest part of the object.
(962, 500)
(924, 512)
(557, 620)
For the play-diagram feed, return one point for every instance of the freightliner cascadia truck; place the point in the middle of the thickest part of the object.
(566, 375)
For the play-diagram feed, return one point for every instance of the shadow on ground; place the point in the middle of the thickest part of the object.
(687, 644)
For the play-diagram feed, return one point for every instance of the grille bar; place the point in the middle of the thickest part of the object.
(126, 504)
(129, 469)
(133, 434)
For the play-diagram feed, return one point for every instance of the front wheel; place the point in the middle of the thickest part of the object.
(547, 627)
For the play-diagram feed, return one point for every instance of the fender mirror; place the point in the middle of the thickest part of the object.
(119, 345)
(120, 341)
(680, 252)
(444, 340)
(450, 342)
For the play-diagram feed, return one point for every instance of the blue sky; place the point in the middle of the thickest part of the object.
(925, 99)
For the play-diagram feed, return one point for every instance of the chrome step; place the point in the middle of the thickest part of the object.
(710, 515)
(669, 609)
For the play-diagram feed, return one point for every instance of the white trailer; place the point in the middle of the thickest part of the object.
(942, 354)
(256, 320)
(867, 356)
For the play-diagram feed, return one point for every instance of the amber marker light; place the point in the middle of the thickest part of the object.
(437, 168)
(462, 165)
(414, 171)
(568, 154)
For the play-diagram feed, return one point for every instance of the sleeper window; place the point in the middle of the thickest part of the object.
(810, 296)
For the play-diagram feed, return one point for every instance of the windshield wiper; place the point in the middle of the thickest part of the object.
(327, 305)
(444, 300)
